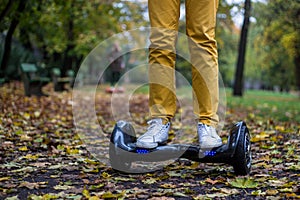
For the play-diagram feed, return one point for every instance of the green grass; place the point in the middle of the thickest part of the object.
(266, 104)
(258, 103)
(143, 89)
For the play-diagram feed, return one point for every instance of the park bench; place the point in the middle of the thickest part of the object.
(59, 82)
(2, 81)
(2, 78)
(32, 81)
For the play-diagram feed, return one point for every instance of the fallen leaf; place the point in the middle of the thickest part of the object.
(31, 157)
(30, 185)
(243, 183)
(149, 181)
(12, 198)
(208, 180)
(4, 178)
(24, 148)
(86, 193)
(94, 198)
(109, 195)
(105, 175)
(167, 185)
(95, 187)
(258, 193)
(229, 191)
(260, 137)
(63, 187)
(271, 192)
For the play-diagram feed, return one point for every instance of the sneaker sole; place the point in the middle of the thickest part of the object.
(146, 145)
(151, 146)
(210, 146)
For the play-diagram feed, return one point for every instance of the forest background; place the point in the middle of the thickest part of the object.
(62, 33)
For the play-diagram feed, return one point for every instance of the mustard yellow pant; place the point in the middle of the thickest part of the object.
(200, 29)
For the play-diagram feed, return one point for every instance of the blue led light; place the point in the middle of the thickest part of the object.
(210, 153)
(142, 151)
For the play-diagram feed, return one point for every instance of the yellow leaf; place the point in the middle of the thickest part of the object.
(25, 137)
(279, 128)
(4, 178)
(49, 196)
(257, 193)
(29, 185)
(26, 116)
(17, 124)
(19, 132)
(31, 157)
(251, 115)
(109, 195)
(260, 137)
(24, 148)
(105, 175)
(194, 165)
(271, 192)
(287, 190)
(94, 198)
(149, 181)
(93, 162)
(37, 114)
(86, 193)
(60, 147)
(71, 151)
(167, 185)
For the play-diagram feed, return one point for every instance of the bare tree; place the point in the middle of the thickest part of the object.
(8, 39)
(239, 73)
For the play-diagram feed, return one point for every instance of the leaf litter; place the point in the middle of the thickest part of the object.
(42, 157)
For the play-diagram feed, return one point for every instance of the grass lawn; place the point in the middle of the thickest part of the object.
(267, 104)
(262, 104)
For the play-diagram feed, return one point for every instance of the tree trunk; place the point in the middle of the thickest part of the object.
(238, 82)
(297, 56)
(68, 60)
(6, 10)
(8, 39)
(297, 70)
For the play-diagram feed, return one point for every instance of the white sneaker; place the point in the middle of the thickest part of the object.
(157, 133)
(208, 137)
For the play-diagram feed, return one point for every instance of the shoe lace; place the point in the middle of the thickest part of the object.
(154, 127)
(205, 129)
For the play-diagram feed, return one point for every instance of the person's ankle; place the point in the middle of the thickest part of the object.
(207, 123)
(164, 120)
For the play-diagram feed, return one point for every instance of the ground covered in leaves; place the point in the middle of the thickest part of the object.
(42, 157)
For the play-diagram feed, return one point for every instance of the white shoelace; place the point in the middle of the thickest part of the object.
(202, 126)
(154, 127)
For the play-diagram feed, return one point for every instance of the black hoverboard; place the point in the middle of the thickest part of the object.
(236, 152)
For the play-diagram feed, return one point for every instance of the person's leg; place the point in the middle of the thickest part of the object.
(200, 28)
(112, 79)
(164, 17)
(201, 22)
(117, 77)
